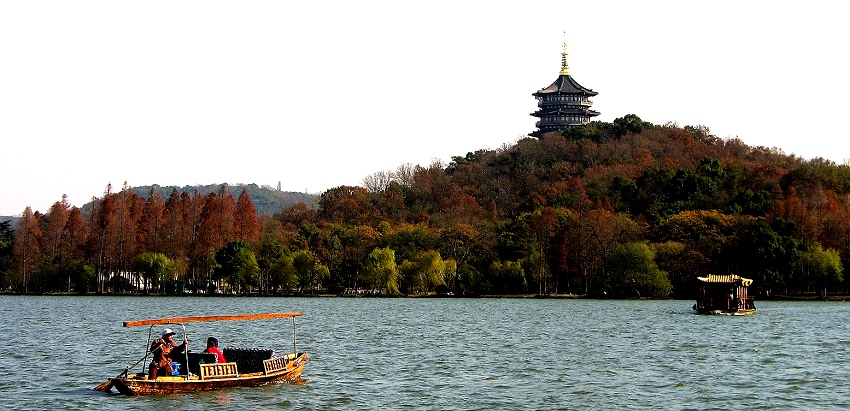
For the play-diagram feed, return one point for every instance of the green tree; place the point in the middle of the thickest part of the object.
(82, 276)
(153, 267)
(633, 272)
(282, 274)
(507, 278)
(7, 237)
(271, 250)
(381, 271)
(822, 267)
(308, 270)
(423, 272)
(237, 265)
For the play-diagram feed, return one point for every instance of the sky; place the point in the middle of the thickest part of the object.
(322, 93)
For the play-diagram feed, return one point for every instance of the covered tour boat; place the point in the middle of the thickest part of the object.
(724, 294)
(202, 372)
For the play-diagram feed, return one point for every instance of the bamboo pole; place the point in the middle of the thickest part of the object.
(179, 320)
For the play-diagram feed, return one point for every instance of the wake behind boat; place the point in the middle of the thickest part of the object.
(202, 371)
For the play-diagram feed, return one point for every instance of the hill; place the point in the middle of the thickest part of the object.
(621, 209)
(267, 200)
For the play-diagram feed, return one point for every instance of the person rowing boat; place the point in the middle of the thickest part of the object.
(164, 351)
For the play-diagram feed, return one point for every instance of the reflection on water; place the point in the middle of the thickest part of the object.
(444, 353)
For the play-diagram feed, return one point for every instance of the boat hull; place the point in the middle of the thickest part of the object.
(138, 384)
(727, 312)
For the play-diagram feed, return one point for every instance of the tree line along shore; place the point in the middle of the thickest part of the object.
(625, 209)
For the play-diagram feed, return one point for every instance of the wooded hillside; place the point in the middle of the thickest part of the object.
(621, 209)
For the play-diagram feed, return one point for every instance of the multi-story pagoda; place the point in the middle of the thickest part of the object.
(563, 104)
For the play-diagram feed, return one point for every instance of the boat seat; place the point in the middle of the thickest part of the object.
(249, 359)
(198, 358)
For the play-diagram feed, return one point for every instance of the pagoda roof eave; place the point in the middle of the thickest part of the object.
(565, 84)
(562, 111)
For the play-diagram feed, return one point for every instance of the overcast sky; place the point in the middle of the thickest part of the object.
(317, 94)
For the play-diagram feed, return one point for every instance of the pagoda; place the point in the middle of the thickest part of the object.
(563, 104)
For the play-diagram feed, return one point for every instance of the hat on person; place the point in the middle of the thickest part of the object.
(167, 331)
(212, 342)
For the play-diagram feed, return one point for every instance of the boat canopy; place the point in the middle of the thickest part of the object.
(180, 320)
(726, 279)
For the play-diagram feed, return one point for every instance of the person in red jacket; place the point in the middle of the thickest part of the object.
(212, 347)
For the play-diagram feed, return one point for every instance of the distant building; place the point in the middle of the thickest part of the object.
(563, 104)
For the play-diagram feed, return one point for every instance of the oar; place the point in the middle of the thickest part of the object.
(108, 384)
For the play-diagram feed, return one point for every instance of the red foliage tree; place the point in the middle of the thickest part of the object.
(247, 227)
(26, 251)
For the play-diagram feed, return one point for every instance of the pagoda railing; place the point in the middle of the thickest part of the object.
(584, 103)
(541, 124)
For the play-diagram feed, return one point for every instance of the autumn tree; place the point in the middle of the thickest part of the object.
(101, 217)
(27, 249)
(151, 233)
(124, 229)
(53, 226)
(347, 204)
(604, 230)
(75, 234)
(227, 219)
(297, 214)
(208, 238)
(247, 228)
(173, 241)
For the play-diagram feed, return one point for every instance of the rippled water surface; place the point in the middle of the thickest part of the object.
(464, 354)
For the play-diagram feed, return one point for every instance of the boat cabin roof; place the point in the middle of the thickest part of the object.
(726, 279)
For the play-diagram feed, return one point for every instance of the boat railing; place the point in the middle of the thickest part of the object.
(731, 304)
(219, 370)
(275, 364)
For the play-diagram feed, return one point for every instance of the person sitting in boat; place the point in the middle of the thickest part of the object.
(164, 350)
(212, 347)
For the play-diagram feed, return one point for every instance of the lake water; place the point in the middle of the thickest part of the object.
(440, 354)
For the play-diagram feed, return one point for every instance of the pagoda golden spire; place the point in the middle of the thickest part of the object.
(565, 67)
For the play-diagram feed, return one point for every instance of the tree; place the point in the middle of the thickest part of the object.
(53, 226)
(247, 228)
(381, 271)
(155, 268)
(633, 272)
(822, 267)
(152, 224)
(237, 264)
(75, 234)
(347, 204)
(7, 239)
(604, 231)
(507, 278)
(82, 276)
(227, 219)
(423, 272)
(282, 274)
(308, 270)
(27, 250)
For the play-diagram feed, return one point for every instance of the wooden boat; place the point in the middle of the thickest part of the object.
(724, 294)
(249, 367)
